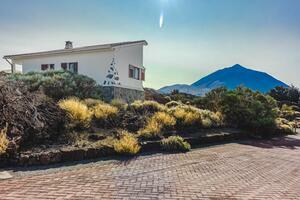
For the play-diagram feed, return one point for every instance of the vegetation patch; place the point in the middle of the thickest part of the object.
(159, 122)
(79, 114)
(60, 84)
(127, 144)
(147, 106)
(3, 140)
(103, 111)
(175, 144)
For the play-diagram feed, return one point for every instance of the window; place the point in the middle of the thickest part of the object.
(64, 66)
(51, 66)
(134, 72)
(72, 67)
(44, 67)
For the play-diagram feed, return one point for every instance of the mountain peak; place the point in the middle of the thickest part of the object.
(230, 77)
(237, 66)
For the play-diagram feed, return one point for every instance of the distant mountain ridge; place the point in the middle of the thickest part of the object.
(230, 77)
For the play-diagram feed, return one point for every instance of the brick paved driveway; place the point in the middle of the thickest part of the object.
(252, 170)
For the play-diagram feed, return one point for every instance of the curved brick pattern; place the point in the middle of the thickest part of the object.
(253, 170)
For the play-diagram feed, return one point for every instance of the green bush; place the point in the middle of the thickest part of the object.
(175, 144)
(247, 109)
(60, 84)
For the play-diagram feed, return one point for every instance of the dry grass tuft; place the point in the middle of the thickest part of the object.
(3, 140)
(147, 106)
(119, 103)
(285, 126)
(103, 111)
(91, 102)
(78, 112)
(192, 116)
(127, 144)
(174, 144)
(156, 124)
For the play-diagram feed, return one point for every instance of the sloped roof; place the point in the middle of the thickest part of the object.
(77, 49)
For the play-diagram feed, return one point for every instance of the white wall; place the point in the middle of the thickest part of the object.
(126, 55)
(95, 64)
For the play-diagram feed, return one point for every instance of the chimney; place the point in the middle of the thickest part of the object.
(69, 45)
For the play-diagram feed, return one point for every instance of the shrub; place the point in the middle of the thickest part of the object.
(175, 144)
(288, 112)
(173, 104)
(103, 111)
(285, 126)
(60, 84)
(244, 108)
(91, 102)
(119, 103)
(187, 115)
(79, 114)
(127, 144)
(3, 140)
(147, 106)
(290, 94)
(159, 122)
(190, 116)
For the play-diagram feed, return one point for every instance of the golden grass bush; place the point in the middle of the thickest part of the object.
(103, 111)
(78, 112)
(91, 102)
(127, 144)
(147, 106)
(285, 126)
(164, 118)
(119, 103)
(187, 115)
(210, 119)
(207, 123)
(159, 122)
(192, 116)
(3, 140)
(175, 144)
(173, 104)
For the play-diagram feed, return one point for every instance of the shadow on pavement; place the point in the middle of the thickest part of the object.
(287, 142)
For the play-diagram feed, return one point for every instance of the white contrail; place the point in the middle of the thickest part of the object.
(161, 20)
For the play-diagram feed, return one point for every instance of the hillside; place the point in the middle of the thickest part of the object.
(230, 77)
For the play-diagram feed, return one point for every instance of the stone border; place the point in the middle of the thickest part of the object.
(68, 154)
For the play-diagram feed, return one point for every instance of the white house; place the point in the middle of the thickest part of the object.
(118, 67)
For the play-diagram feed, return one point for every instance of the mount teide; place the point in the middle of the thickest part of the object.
(230, 77)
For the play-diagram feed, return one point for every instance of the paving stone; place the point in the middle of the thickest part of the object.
(250, 170)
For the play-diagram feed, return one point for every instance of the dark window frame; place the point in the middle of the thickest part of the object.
(44, 67)
(75, 64)
(135, 72)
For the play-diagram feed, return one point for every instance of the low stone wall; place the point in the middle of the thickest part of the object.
(127, 95)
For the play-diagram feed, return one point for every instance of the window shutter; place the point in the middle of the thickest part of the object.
(143, 75)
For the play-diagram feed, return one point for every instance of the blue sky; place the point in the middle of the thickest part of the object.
(197, 37)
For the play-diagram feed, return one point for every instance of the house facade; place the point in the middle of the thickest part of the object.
(117, 67)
